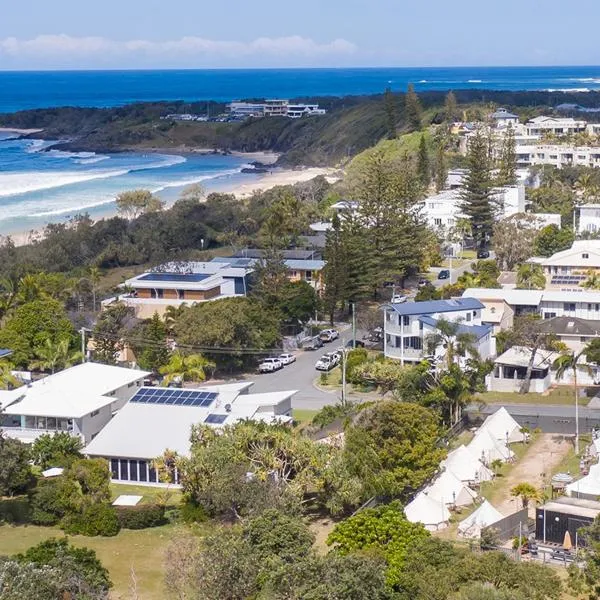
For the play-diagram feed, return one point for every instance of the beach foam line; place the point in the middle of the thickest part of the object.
(71, 209)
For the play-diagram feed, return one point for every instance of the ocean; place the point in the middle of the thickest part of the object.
(20, 90)
(38, 187)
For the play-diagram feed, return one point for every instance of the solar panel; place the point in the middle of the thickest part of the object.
(215, 419)
(174, 396)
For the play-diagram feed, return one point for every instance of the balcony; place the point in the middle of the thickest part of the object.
(28, 435)
(408, 353)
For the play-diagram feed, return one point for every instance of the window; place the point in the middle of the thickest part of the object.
(293, 273)
(569, 307)
(133, 473)
(437, 221)
(585, 255)
(114, 468)
(130, 385)
(124, 464)
(469, 317)
(308, 275)
(493, 310)
(94, 413)
(143, 470)
(549, 315)
(405, 320)
(152, 475)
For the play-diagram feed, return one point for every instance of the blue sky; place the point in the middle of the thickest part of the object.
(55, 34)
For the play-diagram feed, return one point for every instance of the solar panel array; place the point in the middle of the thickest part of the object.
(215, 419)
(568, 279)
(174, 396)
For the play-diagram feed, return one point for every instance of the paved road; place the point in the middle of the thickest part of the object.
(300, 376)
(548, 417)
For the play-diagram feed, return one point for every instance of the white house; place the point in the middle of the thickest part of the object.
(407, 327)
(510, 369)
(503, 118)
(540, 126)
(557, 155)
(571, 267)
(157, 419)
(589, 218)
(80, 400)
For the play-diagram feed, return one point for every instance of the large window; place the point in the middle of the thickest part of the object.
(143, 470)
(133, 470)
(114, 468)
(124, 469)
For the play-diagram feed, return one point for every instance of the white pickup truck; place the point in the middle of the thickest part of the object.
(269, 365)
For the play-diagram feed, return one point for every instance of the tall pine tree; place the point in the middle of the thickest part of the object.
(476, 196)
(450, 107)
(335, 272)
(423, 168)
(412, 108)
(507, 168)
(391, 113)
(440, 166)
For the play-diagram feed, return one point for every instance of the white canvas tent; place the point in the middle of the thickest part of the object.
(503, 427)
(449, 489)
(588, 486)
(485, 515)
(466, 466)
(423, 509)
(485, 447)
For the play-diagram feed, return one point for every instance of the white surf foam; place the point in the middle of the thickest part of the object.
(474, 81)
(91, 161)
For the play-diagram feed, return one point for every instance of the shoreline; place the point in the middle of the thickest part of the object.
(266, 181)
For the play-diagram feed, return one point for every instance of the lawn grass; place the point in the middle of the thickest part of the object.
(303, 416)
(150, 494)
(143, 551)
(562, 395)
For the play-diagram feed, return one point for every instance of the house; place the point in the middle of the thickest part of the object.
(545, 125)
(407, 327)
(589, 218)
(571, 267)
(575, 333)
(557, 155)
(510, 369)
(502, 118)
(561, 515)
(80, 400)
(497, 314)
(157, 419)
(274, 108)
(545, 219)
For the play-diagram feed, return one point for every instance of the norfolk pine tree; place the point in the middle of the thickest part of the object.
(423, 168)
(450, 107)
(508, 159)
(335, 271)
(477, 201)
(391, 113)
(412, 108)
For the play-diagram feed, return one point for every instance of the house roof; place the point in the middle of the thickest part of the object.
(54, 403)
(519, 356)
(430, 307)
(512, 297)
(573, 257)
(143, 430)
(4, 352)
(478, 331)
(574, 506)
(571, 326)
(502, 113)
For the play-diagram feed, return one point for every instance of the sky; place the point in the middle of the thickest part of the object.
(129, 34)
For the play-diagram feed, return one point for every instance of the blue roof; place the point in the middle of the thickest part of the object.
(430, 307)
(478, 331)
(4, 352)
(174, 277)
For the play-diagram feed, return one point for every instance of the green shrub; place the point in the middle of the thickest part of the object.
(15, 511)
(95, 519)
(56, 497)
(41, 517)
(355, 358)
(191, 512)
(141, 517)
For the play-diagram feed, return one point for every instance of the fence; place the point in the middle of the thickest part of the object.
(509, 527)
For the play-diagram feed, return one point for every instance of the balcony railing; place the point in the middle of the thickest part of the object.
(407, 353)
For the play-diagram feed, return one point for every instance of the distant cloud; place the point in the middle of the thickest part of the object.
(62, 48)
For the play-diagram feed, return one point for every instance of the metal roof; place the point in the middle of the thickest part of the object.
(430, 307)
(478, 331)
(513, 297)
(4, 352)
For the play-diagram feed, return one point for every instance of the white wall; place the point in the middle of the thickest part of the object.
(589, 219)
(89, 426)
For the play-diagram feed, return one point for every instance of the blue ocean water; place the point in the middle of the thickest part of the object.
(24, 90)
(38, 187)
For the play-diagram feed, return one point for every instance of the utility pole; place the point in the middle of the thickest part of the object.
(82, 332)
(354, 325)
(344, 356)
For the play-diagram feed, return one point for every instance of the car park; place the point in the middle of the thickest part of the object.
(444, 274)
(562, 555)
(270, 365)
(287, 359)
(327, 361)
(328, 335)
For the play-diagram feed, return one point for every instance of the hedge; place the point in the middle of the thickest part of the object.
(95, 519)
(141, 516)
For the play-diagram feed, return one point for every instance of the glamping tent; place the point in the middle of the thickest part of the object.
(423, 509)
(485, 515)
(588, 487)
(466, 466)
(485, 447)
(503, 427)
(449, 489)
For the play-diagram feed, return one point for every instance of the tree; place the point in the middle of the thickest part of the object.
(298, 302)
(391, 113)
(149, 342)
(134, 203)
(452, 340)
(514, 240)
(335, 273)
(530, 276)
(384, 530)
(15, 472)
(58, 450)
(428, 292)
(182, 368)
(412, 108)
(440, 144)
(507, 171)
(51, 356)
(110, 331)
(586, 578)
(450, 107)
(526, 492)
(93, 477)
(7, 380)
(94, 277)
(382, 373)
(551, 239)
(423, 169)
(392, 448)
(570, 362)
(476, 195)
(30, 325)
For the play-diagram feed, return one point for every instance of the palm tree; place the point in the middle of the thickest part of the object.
(186, 368)
(7, 379)
(570, 362)
(172, 313)
(593, 280)
(55, 355)
(449, 336)
(530, 277)
(496, 466)
(526, 492)
(29, 289)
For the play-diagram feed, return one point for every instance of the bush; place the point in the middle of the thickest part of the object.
(191, 512)
(95, 519)
(355, 358)
(141, 517)
(52, 499)
(15, 511)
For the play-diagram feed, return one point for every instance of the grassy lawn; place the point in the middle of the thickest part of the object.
(143, 551)
(462, 439)
(150, 495)
(561, 395)
(303, 416)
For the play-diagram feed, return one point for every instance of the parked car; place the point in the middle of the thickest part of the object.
(423, 282)
(483, 253)
(399, 299)
(311, 343)
(444, 274)
(287, 359)
(269, 365)
(355, 344)
(328, 335)
(562, 555)
(327, 361)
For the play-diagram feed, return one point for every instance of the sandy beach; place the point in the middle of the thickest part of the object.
(266, 181)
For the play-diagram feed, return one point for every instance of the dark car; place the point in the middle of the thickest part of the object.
(562, 555)
(444, 274)
(357, 343)
(483, 253)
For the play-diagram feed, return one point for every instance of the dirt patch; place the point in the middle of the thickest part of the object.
(536, 465)
(321, 529)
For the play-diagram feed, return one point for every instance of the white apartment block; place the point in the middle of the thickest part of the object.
(589, 218)
(557, 155)
(540, 126)
(274, 108)
(571, 267)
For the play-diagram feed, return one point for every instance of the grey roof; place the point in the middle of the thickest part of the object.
(258, 253)
(4, 352)
(430, 307)
(502, 113)
(571, 326)
(478, 331)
